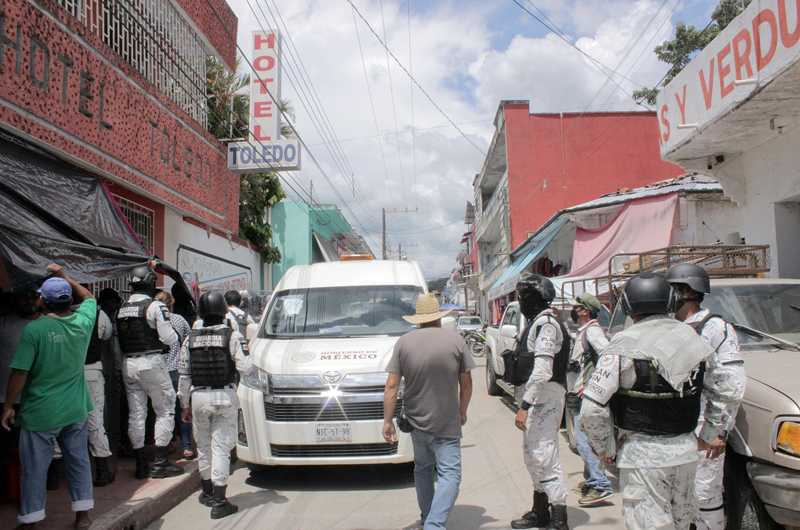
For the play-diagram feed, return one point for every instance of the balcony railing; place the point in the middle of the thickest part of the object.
(495, 204)
(154, 38)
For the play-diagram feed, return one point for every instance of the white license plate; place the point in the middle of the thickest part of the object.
(334, 432)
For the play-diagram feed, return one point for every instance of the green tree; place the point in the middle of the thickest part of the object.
(228, 117)
(437, 285)
(688, 40)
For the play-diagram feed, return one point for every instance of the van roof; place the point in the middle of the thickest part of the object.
(352, 274)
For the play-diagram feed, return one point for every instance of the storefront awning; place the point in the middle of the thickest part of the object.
(326, 247)
(54, 213)
(642, 225)
(508, 281)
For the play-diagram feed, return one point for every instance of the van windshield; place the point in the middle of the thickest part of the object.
(341, 312)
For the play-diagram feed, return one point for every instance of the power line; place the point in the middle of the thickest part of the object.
(313, 158)
(412, 78)
(372, 106)
(394, 114)
(314, 107)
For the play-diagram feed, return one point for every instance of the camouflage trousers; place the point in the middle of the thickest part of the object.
(708, 486)
(658, 498)
(540, 450)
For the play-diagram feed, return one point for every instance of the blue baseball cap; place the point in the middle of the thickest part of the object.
(56, 290)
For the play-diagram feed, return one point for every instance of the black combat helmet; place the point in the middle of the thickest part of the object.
(539, 285)
(212, 304)
(647, 294)
(143, 280)
(690, 274)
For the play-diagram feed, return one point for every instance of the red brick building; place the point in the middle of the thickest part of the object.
(117, 88)
(539, 164)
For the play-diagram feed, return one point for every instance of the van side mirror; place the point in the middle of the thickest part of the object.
(509, 331)
(252, 331)
(449, 323)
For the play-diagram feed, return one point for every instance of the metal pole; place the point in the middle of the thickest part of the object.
(466, 300)
(384, 232)
(400, 252)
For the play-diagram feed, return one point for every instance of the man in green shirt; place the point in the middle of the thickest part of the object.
(55, 402)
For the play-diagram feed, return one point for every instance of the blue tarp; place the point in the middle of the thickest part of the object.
(508, 281)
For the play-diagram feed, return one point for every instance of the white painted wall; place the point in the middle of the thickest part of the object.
(760, 179)
(212, 259)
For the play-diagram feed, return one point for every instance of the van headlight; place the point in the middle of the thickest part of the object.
(789, 438)
(256, 379)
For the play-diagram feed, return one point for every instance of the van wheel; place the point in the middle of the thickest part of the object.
(492, 388)
(743, 507)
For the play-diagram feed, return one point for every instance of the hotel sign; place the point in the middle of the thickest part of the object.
(265, 150)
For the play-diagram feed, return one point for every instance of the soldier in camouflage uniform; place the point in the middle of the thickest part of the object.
(542, 404)
(691, 282)
(649, 383)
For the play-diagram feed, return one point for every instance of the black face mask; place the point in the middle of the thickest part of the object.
(532, 306)
(574, 315)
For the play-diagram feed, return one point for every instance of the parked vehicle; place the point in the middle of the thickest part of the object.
(499, 339)
(315, 395)
(469, 323)
(762, 467)
(476, 340)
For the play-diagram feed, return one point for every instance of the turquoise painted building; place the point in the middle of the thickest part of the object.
(311, 234)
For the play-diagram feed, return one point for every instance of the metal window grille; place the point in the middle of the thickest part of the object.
(142, 220)
(153, 37)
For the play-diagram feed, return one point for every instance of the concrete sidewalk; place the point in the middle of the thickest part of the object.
(126, 504)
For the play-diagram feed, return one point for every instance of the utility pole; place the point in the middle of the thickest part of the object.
(384, 225)
(466, 300)
(311, 192)
(400, 252)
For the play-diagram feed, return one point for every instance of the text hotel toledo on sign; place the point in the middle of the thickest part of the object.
(265, 150)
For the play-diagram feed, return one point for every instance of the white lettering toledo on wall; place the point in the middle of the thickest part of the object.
(265, 150)
(754, 49)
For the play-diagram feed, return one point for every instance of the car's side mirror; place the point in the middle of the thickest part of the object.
(252, 331)
(449, 323)
(509, 331)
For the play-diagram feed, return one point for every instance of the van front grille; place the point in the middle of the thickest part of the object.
(331, 411)
(326, 450)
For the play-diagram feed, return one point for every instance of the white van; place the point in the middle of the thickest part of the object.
(315, 394)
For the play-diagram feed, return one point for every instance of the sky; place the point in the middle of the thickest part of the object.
(380, 141)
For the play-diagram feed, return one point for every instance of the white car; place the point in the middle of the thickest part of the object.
(315, 395)
(469, 323)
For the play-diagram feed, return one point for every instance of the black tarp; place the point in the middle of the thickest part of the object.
(52, 212)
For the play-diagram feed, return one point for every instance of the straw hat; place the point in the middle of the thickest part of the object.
(427, 310)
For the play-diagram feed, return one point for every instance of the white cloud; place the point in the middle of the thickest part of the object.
(454, 62)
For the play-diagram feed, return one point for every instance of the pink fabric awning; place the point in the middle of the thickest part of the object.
(642, 225)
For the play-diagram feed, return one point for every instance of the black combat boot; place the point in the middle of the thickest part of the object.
(162, 467)
(104, 476)
(54, 474)
(558, 518)
(221, 507)
(206, 496)
(538, 517)
(142, 469)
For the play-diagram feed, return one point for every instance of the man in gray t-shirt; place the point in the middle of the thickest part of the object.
(435, 364)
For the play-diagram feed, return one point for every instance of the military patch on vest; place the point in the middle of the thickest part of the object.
(245, 347)
(164, 312)
(604, 381)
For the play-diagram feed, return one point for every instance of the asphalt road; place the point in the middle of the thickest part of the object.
(496, 487)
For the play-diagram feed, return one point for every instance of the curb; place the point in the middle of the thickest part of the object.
(149, 505)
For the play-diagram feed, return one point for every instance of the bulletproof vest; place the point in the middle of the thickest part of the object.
(210, 360)
(136, 337)
(95, 350)
(652, 406)
(700, 325)
(241, 321)
(589, 353)
(520, 363)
